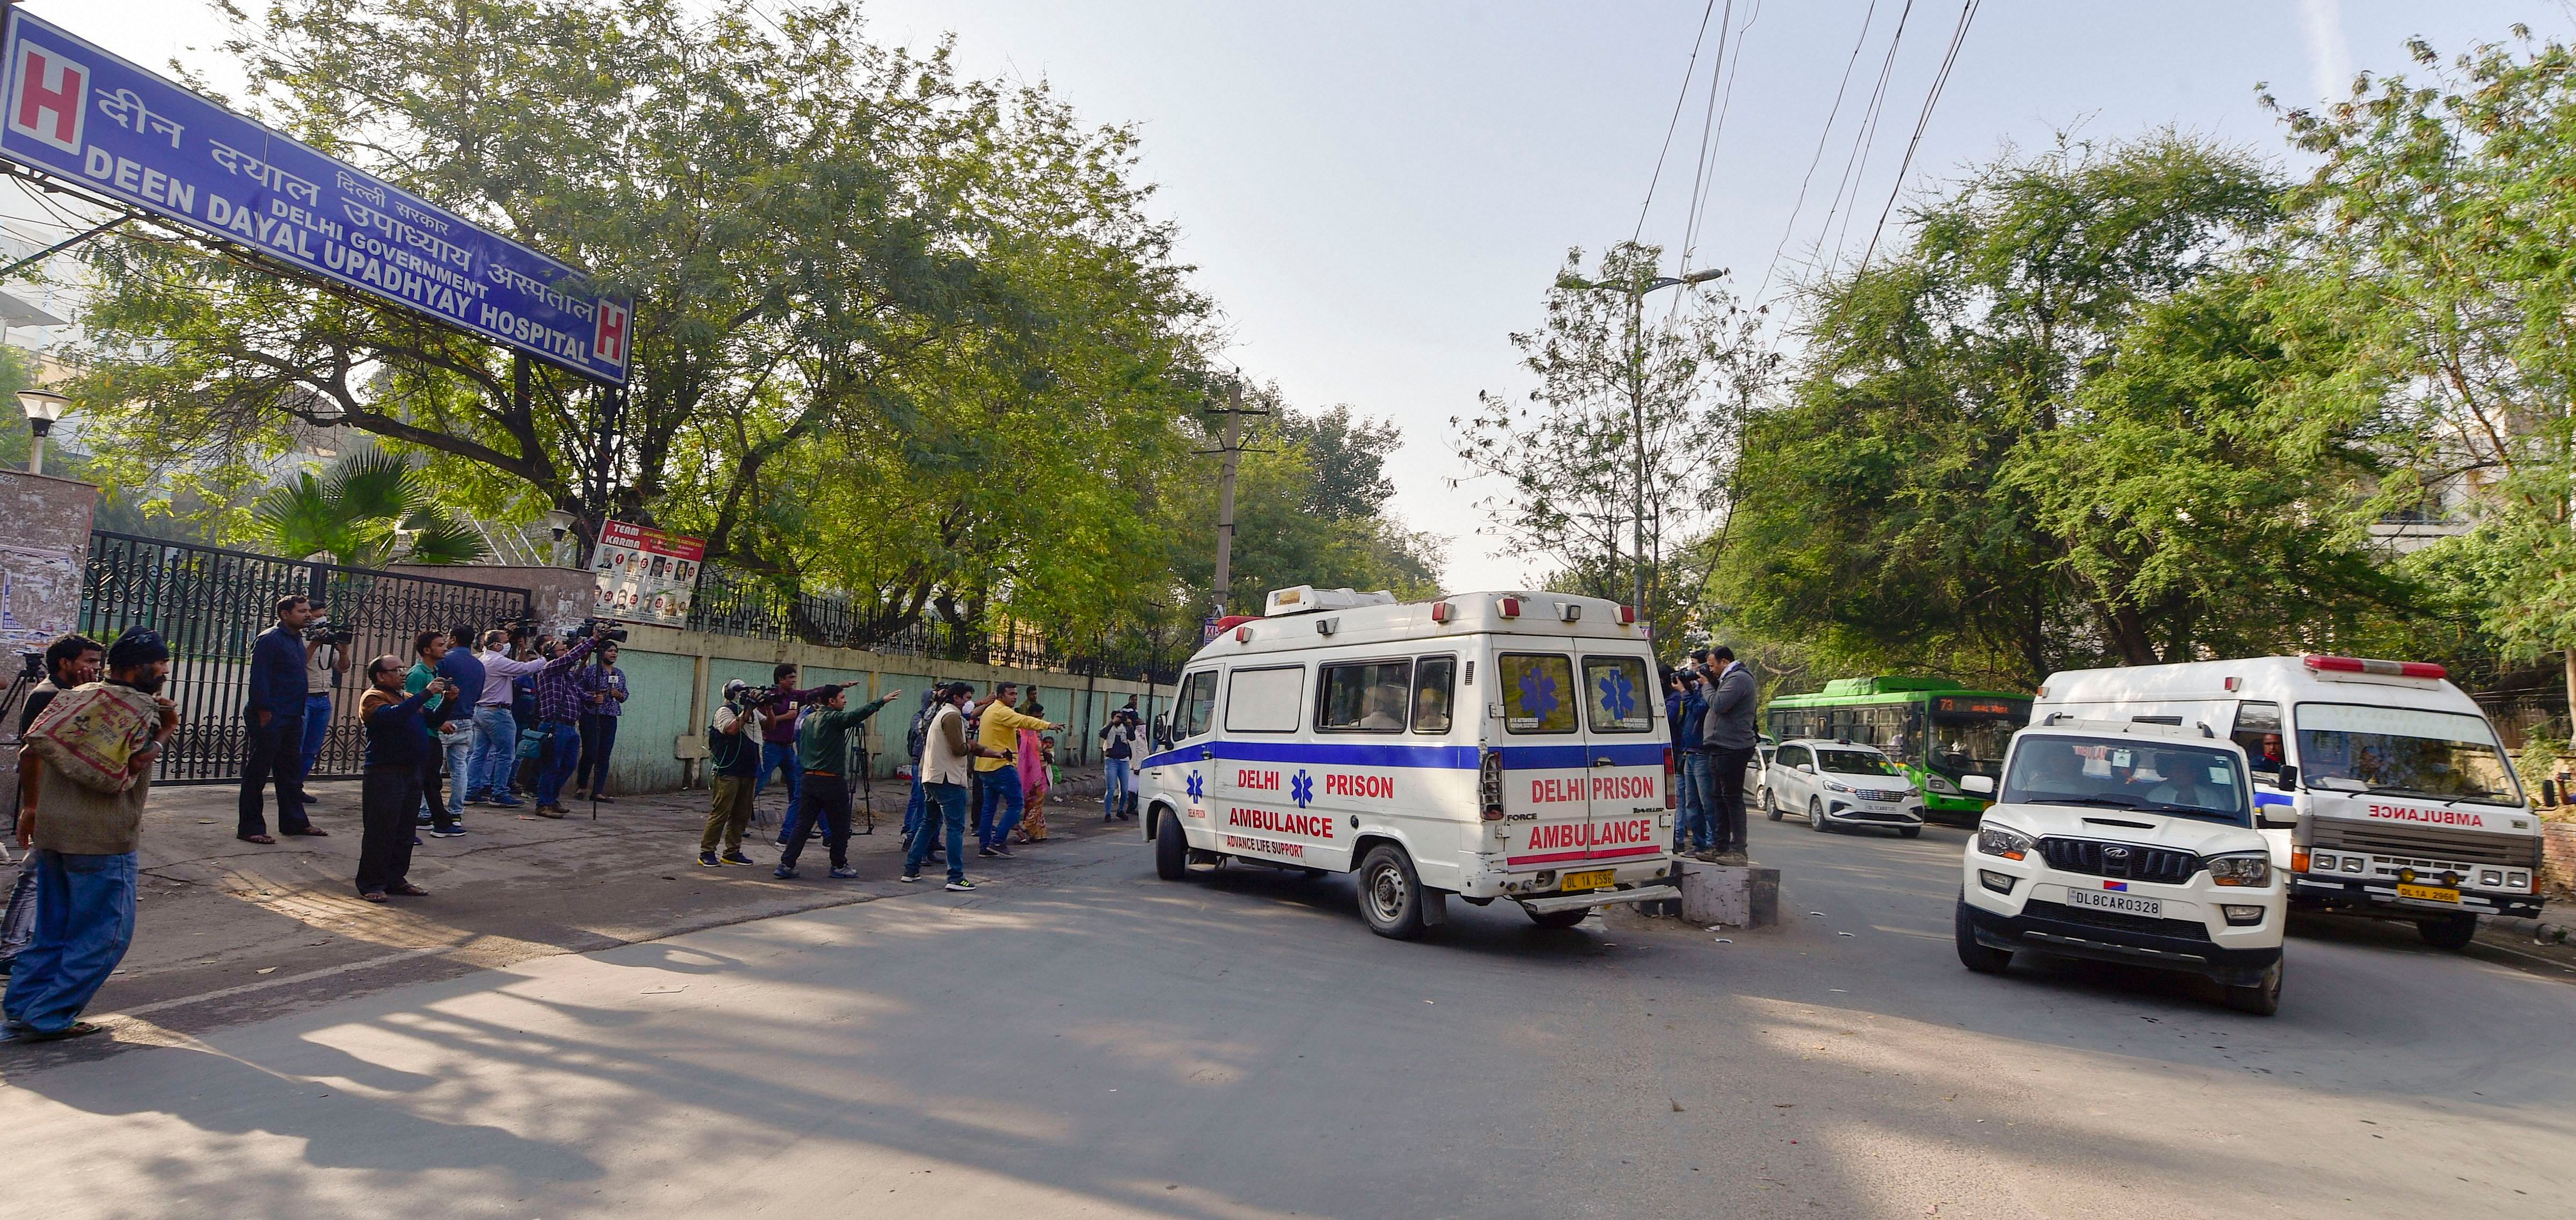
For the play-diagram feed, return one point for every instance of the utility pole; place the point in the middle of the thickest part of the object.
(1636, 291)
(1230, 458)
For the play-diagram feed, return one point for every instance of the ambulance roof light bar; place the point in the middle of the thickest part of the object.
(2324, 666)
(1306, 599)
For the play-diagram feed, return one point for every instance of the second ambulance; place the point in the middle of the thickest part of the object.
(2381, 787)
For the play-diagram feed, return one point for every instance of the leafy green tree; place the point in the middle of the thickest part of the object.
(1635, 402)
(2434, 238)
(366, 509)
(2044, 433)
(849, 263)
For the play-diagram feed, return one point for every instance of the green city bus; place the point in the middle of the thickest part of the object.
(1934, 728)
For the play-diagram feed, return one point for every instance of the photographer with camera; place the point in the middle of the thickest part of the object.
(496, 722)
(732, 757)
(275, 728)
(1118, 740)
(401, 750)
(326, 658)
(559, 712)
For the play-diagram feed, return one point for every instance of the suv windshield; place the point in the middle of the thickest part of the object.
(2403, 752)
(2151, 777)
(1852, 762)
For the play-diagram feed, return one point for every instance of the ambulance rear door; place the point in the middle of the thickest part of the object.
(1546, 757)
(1626, 762)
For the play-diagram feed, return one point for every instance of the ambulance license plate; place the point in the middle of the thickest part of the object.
(1598, 879)
(2428, 893)
(2126, 904)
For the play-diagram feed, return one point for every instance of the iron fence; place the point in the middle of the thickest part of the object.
(210, 603)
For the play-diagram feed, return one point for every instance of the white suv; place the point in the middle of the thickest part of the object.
(1834, 784)
(2128, 843)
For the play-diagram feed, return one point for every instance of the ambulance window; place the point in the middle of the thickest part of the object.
(1616, 695)
(1538, 693)
(1431, 694)
(2258, 729)
(1196, 707)
(1367, 697)
(1264, 700)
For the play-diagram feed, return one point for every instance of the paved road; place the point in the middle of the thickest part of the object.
(1083, 1040)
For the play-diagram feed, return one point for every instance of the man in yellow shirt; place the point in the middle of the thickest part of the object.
(998, 729)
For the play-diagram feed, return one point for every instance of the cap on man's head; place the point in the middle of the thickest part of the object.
(138, 646)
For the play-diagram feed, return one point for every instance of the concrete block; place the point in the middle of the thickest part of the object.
(1746, 897)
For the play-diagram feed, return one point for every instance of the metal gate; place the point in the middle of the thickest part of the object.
(209, 603)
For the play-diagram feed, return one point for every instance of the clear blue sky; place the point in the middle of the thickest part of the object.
(1379, 193)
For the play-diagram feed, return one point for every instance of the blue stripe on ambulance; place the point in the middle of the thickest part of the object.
(1452, 758)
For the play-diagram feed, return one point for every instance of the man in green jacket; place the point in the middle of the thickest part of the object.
(823, 751)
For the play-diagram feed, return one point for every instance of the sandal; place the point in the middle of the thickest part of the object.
(263, 839)
(406, 890)
(373, 895)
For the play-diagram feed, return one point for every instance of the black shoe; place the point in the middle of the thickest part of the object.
(735, 857)
(707, 859)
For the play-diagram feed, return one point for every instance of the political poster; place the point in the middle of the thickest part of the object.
(89, 119)
(644, 575)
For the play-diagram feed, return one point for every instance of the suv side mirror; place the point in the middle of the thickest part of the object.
(1980, 785)
(2289, 780)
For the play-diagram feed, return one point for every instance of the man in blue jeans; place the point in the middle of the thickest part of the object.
(559, 718)
(1118, 742)
(1696, 829)
(84, 842)
(496, 726)
(945, 756)
(997, 729)
(325, 661)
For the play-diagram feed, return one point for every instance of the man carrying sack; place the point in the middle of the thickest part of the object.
(82, 779)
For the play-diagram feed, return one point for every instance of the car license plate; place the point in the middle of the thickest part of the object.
(2428, 893)
(2126, 904)
(1598, 879)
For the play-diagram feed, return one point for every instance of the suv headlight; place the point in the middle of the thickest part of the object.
(1831, 786)
(2003, 841)
(2244, 868)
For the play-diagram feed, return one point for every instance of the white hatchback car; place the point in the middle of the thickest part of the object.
(1839, 783)
(2129, 843)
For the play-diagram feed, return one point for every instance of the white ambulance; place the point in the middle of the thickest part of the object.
(1488, 745)
(2383, 789)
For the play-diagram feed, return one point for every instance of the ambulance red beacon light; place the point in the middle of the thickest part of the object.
(1490, 746)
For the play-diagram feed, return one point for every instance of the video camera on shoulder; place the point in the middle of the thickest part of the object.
(614, 635)
(324, 631)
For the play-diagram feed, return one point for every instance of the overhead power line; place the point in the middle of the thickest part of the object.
(1689, 72)
(1822, 138)
(1704, 185)
(1863, 142)
(1940, 80)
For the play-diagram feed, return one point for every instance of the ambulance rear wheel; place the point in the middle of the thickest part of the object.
(1560, 919)
(1390, 893)
(2449, 931)
(1171, 847)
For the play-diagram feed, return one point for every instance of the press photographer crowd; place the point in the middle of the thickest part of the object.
(507, 717)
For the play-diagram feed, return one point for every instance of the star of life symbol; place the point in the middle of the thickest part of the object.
(1197, 786)
(1301, 789)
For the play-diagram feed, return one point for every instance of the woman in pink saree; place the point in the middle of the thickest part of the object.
(1033, 780)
